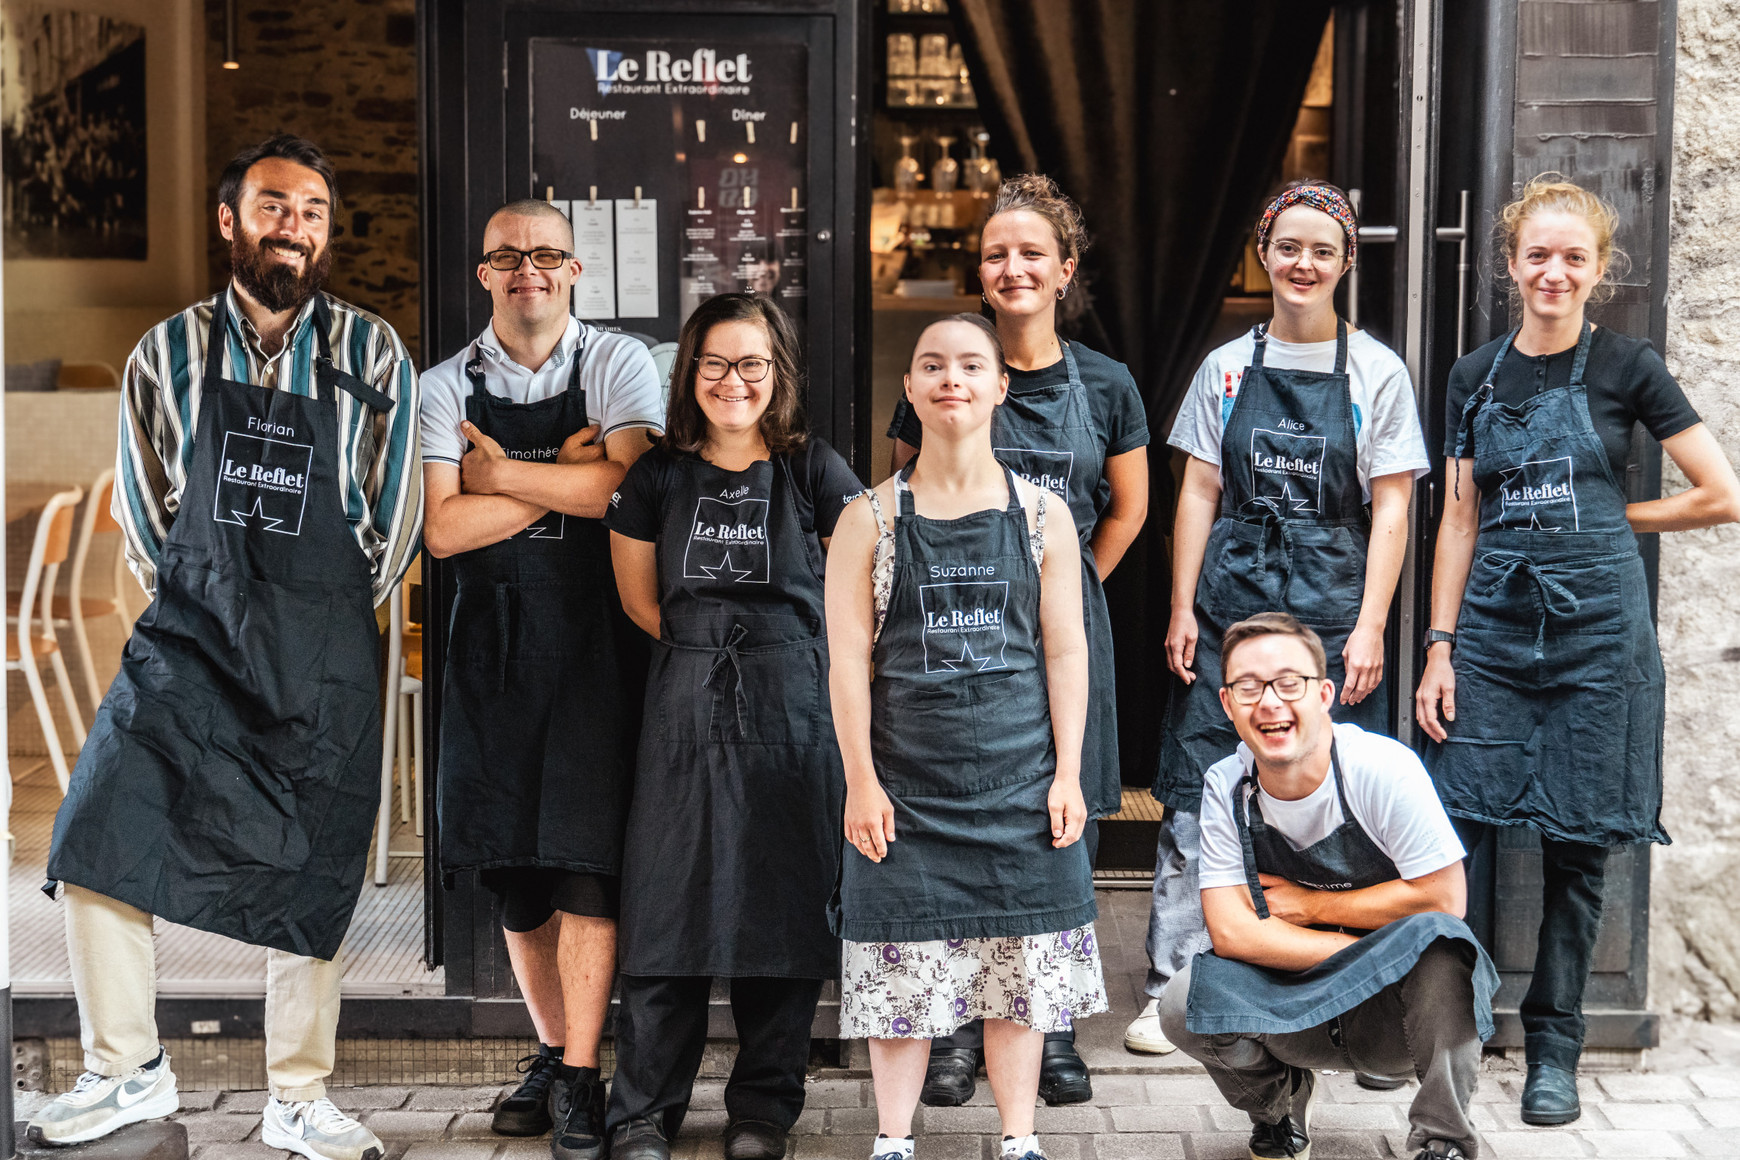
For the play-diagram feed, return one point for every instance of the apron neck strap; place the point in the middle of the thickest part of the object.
(1340, 345)
(218, 338)
(1069, 367)
(903, 489)
(1580, 360)
(474, 364)
(1260, 340)
(1241, 806)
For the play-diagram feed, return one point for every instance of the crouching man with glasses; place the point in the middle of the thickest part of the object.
(527, 432)
(1333, 888)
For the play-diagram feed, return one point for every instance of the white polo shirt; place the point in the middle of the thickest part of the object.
(622, 386)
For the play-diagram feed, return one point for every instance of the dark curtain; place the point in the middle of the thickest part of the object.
(1167, 121)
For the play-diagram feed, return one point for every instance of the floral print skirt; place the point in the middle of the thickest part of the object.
(924, 990)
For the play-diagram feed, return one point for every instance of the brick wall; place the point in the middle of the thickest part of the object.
(342, 73)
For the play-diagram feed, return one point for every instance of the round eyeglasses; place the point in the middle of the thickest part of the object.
(1287, 686)
(751, 370)
(544, 258)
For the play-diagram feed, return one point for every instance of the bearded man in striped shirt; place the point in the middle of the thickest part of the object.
(268, 484)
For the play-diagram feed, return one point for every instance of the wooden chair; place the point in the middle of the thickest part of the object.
(88, 376)
(28, 645)
(402, 727)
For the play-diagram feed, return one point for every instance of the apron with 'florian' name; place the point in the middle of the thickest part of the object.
(231, 778)
(1232, 997)
(540, 694)
(734, 835)
(1560, 692)
(961, 737)
(1291, 537)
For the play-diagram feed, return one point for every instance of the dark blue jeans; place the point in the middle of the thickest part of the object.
(1574, 876)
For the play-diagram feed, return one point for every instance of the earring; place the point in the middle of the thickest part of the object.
(984, 299)
(1062, 290)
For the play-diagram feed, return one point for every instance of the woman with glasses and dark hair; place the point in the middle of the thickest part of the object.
(733, 845)
(1304, 442)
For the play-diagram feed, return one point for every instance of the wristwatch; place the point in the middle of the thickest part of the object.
(1434, 635)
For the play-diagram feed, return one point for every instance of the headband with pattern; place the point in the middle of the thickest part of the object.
(1319, 197)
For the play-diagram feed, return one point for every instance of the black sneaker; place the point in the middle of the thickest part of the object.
(579, 1133)
(639, 1140)
(527, 1111)
(949, 1077)
(1063, 1075)
(1291, 1138)
(1440, 1150)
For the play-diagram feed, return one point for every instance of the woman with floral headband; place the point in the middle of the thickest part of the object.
(1304, 442)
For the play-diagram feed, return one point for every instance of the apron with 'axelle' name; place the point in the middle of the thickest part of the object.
(231, 778)
(1560, 692)
(1232, 997)
(540, 696)
(734, 835)
(961, 737)
(1291, 537)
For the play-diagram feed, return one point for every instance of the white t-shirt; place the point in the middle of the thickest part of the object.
(1392, 797)
(622, 386)
(1386, 419)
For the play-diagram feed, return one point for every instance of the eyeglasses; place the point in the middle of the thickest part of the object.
(1287, 686)
(751, 370)
(544, 258)
(1320, 255)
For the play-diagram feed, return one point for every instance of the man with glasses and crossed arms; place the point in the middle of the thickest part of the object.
(1333, 887)
(527, 433)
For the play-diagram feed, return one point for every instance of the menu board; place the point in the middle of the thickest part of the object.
(682, 163)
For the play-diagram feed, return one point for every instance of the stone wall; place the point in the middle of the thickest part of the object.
(342, 73)
(1695, 932)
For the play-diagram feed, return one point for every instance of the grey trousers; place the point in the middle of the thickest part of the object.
(1176, 931)
(1422, 1026)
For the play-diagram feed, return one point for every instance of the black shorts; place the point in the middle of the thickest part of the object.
(529, 895)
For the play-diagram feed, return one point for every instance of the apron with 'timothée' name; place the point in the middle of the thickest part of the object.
(1291, 537)
(1560, 693)
(541, 693)
(734, 835)
(231, 778)
(1232, 997)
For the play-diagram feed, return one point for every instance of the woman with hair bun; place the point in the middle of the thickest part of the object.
(1073, 423)
(1543, 681)
(1304, 442)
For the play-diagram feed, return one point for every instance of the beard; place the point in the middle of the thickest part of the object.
(271, 283)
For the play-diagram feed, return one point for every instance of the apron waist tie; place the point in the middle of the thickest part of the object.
(728, 656)
(1550, 595)
(1271, 523)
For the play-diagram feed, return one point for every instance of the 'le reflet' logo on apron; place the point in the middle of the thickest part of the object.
(728, 541)
(263, 482)
(1287, 471)
(1048, 469)
(963, 623)
(1538, 496)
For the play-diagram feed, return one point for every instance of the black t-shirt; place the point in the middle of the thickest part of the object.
(824, 483)
(1113, 400)
(1625, 380)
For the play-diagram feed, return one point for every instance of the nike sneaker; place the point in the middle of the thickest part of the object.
(318, 1130)
(99, 1104)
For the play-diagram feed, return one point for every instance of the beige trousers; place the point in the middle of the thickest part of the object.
(114, 974)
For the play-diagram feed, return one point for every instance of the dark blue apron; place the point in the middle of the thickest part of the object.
(540, 702)
(1049, 437)
(1560, 693)
(734, 836)
(231, 778)
(960, 731)
(1291, 537)
(1232, 997)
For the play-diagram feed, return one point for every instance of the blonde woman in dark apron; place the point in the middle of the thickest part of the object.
(1543, 682)
(959, 688)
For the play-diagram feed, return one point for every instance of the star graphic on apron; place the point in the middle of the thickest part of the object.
(733, 574)
(269, 523)
(968, 657)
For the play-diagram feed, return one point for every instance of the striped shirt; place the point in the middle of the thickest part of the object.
(378, 453)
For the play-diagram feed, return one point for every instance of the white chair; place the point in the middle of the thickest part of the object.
(26, 646)
(402, 732)
(76, 608)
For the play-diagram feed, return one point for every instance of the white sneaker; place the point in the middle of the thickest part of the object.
(99, 1104)
(1144, 1034)
(318, 1130)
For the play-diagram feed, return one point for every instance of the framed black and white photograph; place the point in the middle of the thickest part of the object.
(73, 134)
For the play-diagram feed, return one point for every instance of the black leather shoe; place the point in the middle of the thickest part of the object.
(754, 1140)
(948, 1081)
(1063, 1077)
(579, 1132)
(639, 1140)
(1292, 1136)
(1550, 1095)
(1440, 1150)
(1372, 1082)
(527, 1111)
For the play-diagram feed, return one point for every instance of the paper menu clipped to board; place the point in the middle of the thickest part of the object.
(595, 246)
(637, 258)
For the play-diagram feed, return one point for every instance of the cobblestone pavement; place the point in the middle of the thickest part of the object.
(1684, 1103)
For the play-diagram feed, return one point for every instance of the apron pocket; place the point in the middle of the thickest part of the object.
(1237, 577)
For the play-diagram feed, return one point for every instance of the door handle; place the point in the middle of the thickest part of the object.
(1381, 235)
